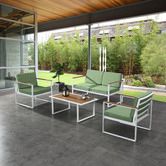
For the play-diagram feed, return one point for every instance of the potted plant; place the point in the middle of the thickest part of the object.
(59, 71)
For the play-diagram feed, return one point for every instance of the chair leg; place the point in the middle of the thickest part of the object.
(32, 102)
(135, 133)
(15, 88)
(103, 118)
(121, 98)
(103, 125)
(15, 98)
(108, 98)
(25, 105)
(150, 120)
(72, 91)
(119, 136)
(150, 116)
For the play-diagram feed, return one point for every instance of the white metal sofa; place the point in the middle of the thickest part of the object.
(101, 83)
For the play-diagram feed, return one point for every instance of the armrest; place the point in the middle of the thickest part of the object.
(78, 77)
(127, 96)
(114, 82)
(120, 104)
(44, 79)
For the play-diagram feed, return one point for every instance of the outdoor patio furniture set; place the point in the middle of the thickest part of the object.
(96, 82)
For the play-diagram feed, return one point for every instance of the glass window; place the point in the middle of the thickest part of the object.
(16, 44)
(16, 53)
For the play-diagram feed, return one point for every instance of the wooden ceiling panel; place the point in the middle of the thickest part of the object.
(59, 9)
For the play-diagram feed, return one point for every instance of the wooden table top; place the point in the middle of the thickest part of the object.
(73, 98)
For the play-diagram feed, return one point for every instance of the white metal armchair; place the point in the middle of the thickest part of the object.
(129, 115)
(27, 85)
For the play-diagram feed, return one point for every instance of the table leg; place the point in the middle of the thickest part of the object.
(52, 105)
(94, 108)
(77, 109)
(88, 117)
(59, 111)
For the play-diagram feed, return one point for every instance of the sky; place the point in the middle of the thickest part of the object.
(160, 17)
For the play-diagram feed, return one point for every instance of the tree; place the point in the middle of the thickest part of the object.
(154, 57)
(123, 51)
(94, 52)
(50, 51)
(42, 56)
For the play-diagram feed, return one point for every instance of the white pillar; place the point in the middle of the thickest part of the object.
(105, 60)
(100, 58)
(36, 45)
(89, 47)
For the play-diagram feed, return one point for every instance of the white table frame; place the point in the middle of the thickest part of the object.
(78, 105)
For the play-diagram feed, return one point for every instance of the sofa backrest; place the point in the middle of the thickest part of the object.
(27, 78)
(94, 77)
(109, 77)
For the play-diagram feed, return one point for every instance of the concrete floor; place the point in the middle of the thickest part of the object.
(35, 138)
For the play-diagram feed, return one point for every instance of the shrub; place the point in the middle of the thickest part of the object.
(148, 82)
(136, 83)
(56, 67)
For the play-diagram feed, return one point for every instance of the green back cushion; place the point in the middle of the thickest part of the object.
(94, 77)
(109, 77)
(84, 86)
(27, 78)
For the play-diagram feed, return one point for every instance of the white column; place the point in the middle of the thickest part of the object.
(36, 45)
(89, 47)
(105, 60)
(100, 58)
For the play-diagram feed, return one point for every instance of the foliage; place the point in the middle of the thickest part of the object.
(148, 82)
(124, 52)
(136, 83)
(139, 80)
(56, 66)
(31, 59)
(129, 52)
(154, 57)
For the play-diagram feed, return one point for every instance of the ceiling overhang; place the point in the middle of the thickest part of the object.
(131, 10)
(59, 9)
(87, 11)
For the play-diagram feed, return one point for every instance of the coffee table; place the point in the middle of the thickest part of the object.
(76, 100)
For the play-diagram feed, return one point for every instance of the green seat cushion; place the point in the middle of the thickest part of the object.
(37, 90)
(84, 86)
(109, 77)
(103, 89)
(94, 77)
(27, 78)
(120, 112)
